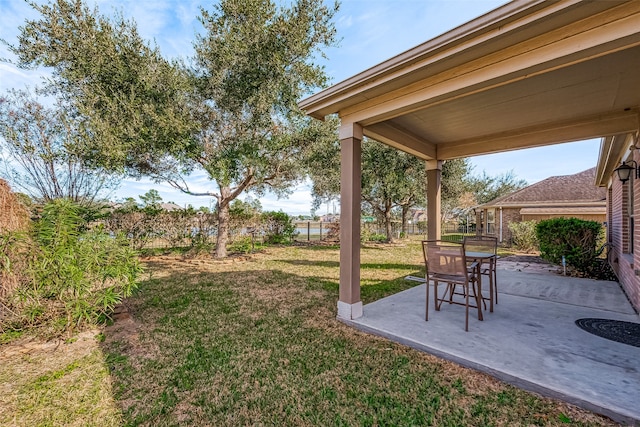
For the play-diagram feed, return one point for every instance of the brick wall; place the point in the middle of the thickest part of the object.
(509, 216)
(623, 261)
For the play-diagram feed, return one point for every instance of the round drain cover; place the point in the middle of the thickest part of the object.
(615, 330)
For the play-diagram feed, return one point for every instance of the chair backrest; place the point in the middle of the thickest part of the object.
(488, 244)
(442, 257)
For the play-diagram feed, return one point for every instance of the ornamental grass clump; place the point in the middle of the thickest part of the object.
(73, 276)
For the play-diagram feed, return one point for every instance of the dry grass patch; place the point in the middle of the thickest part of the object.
(56, 383)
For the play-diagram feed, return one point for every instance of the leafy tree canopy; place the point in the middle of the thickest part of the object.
(486, 188)
(130, 101)
(231, 112)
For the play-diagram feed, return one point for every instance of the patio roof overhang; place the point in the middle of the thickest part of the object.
(527, 74)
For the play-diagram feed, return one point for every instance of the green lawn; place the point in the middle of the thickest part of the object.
(254, 341)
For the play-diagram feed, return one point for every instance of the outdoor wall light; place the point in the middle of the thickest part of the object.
(624, 170)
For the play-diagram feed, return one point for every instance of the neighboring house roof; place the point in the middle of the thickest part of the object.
(561, 192)
(169, 207)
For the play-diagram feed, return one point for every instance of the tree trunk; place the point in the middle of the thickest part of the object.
(228, 195)
(387, 221)
(223, 223)
(405, 212)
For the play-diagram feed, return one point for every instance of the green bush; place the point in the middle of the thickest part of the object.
(278, 227)
(245, 245)
(75, 276)
(523, 235)
(377, 237)
(573, 238)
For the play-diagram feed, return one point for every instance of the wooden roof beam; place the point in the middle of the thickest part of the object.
(401, 139)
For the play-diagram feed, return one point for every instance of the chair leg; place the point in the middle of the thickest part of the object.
(492, 284)
(495, 281)
(426, 311)
(466, 320)
(477, 296)
(478, 280)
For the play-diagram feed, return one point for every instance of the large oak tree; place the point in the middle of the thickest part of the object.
(231, 113)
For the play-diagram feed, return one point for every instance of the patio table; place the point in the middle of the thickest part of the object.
(480, 258)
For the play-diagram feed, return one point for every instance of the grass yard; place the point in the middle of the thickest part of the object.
(254, 341)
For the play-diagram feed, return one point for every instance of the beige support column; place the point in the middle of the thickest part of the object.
(349, 303)
(434, 202)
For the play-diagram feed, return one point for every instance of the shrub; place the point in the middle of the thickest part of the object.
(378, 237)
(573, 238)
(278, 227)
(175, 227)
(244, 245)
(523, 235)
(15, 216)
(333, 232)
(15, 256)
(75, 276)
(139, 227)
(202, 234)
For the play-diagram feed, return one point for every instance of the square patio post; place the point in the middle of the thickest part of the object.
(349, 303)
(434, 175)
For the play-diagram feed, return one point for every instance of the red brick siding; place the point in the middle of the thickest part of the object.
(509, 216)
(622, 261)
(609, 214)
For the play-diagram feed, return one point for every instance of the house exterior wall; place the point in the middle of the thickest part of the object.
(625, 260)
(511, 215)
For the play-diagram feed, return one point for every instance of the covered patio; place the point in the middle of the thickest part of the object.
(529, 73)
(530, 340)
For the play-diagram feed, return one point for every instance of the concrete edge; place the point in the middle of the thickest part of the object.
(541, 390)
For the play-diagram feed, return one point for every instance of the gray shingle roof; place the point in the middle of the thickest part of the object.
(577, 189)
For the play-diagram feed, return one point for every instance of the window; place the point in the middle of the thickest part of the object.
(491, 221)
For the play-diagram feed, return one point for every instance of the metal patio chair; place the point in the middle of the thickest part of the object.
(446, 262)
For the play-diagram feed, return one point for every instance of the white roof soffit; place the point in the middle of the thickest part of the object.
(613, 149)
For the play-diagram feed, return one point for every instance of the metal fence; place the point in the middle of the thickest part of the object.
(306, 231)
(318, 230)
(311, 230)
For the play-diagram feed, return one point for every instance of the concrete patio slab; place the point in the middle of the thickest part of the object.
(530, 340)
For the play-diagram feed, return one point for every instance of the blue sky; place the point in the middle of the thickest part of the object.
(371, 31)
